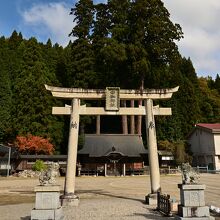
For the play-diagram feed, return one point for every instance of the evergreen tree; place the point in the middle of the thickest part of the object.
(81, 69)
(154, 35)
(15, 55)
(32, 112)
(217, 83)
(170, 127)
(5, 93)
(15, 40)
(188, 71)
(187, 99)
(209, 102)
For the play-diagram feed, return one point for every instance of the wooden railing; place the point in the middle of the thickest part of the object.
(164, 204)
(88, 172)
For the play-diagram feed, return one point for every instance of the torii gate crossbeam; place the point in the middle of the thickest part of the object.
(83, 110)
(95, 94)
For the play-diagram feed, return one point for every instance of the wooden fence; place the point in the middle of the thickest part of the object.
(164, 204)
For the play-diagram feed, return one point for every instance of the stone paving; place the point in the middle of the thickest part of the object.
(101, 197)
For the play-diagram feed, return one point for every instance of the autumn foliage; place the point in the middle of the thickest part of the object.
(34, 145)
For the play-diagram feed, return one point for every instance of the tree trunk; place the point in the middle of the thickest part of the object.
(98, 124)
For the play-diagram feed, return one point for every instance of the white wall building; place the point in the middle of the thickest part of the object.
(204, 143)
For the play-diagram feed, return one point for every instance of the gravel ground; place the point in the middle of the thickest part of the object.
(102, 209)
(112, 208)
(100, 197)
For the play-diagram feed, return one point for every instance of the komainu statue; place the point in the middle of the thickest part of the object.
(189, 175)
(49, 175)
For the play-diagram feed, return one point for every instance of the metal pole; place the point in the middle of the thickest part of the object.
(9, 158)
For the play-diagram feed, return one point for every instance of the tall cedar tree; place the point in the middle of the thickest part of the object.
(209, 102)
(5, 92)
(10, 64)
(217, 83)
(137, 35)
(32, 103)
(81, 69)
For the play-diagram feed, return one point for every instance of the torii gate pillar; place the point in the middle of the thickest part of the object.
(152, 153)
(69, 197)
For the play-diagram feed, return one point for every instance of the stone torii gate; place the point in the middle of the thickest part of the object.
(113, 95)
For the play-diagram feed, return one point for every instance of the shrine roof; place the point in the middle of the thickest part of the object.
(43, 157)
(209, 126)
(213, 128)
(105, 144)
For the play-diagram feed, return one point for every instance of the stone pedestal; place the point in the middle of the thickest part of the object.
(47, 203)
(69, 200)
(151, 199)
(192, 203)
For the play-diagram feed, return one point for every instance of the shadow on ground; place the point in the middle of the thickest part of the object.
(152, 216)
(26, 218)
(107, 194)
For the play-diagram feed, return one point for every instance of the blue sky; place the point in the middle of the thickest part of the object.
(42, 19)
(45, 19)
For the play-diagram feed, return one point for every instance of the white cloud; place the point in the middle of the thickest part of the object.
(196, 13)
(199, 20)
(51, 20)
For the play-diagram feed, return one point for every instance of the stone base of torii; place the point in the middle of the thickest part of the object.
(112, 96)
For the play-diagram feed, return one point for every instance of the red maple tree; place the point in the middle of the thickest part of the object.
(34, 145)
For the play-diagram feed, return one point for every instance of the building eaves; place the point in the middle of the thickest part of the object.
(211, 128)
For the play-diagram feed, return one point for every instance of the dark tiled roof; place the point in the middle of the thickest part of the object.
(208, 127)
(103, 145)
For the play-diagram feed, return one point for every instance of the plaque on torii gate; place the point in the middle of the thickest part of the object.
(112, 96)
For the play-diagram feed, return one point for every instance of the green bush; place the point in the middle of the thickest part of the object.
(39, 166)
